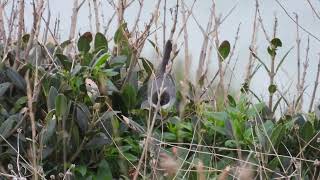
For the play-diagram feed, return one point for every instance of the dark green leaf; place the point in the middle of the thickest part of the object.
(50, 127)
(66, 63)
(16, 79)
(224, 49)
(53, 93)
(277, 134)
(307, 131)
(104, 171)
(61, 105)
(147, 65)
(25, 38)
(263, 64)
(7, 125)
(83, 117)
(276, 104)
(100, 42)
(65, 44)
(110, 72)
(119, 35)
(276, 42)
(20, 103)
(84, 42)
(282, 60)
(130, 157)
(98, 141)
(154, 46)
(129, 96)
(271, 52)
(272, 88)
(81, 169)
(231, 101)
(118, 60)
(4, 87)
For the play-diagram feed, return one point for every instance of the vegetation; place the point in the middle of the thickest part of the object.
(80, 110)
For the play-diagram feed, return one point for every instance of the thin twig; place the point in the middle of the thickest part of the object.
(37, 14)
(33, 126)
(316, 82)
(96, 13)
(20, 30)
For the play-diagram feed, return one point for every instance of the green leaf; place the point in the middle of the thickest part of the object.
(271, 52)
(276, 104)
(154, 46)
(263, 64)
(231, 143)
(272, 88)
(110, 72)
(130, 157)
(148, 66)
(84, 42)
(98, 141)
(100, 42)
(16, 79)
(119, 35)
(83, 117)
(118, 60)
(64, 60)
(82, 170)
(224, 49)
(307, 131)
(276, 42)
(282, 59)
(104, 171)
(7, 125)
(50, 128)
(25, 38)
(53, 93)
(101, 60)
(129, 96)
(277, 134)
(61, 105)
(20, 103)
(65, 43)
(231, 101)
(4, 87)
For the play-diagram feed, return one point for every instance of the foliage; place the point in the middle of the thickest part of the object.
(86, 116)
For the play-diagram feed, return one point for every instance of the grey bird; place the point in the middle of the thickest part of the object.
(163, 84)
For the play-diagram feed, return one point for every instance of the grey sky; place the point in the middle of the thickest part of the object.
(244, 14)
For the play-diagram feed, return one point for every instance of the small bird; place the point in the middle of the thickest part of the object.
(162, 85)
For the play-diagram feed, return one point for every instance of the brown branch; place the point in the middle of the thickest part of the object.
(138, 16)
(33, 126)
(2, 27)
(305, 67)
(45, 35)
(37, 14)
(316, 82)
(96, 13)
(272, 70)
(74, 19)
(186, 44)
(20, 31)
(174, 21)
(252, 45)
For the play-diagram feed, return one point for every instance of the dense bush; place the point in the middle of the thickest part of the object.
(91, 124)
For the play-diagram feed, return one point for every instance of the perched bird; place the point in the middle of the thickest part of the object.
(162, 85)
